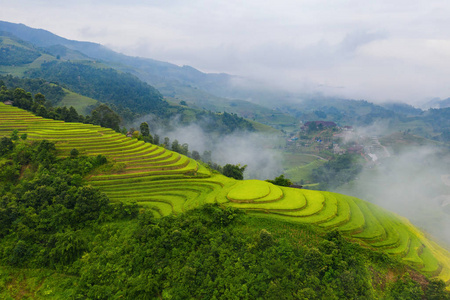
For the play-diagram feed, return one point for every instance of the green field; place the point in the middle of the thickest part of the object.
(169, 183)
(302, 168)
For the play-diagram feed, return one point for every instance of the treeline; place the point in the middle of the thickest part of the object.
(223, 123)
(102, 115)
(53, 93)
(220, 123)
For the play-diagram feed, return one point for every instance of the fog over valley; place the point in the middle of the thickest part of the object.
(225, 149)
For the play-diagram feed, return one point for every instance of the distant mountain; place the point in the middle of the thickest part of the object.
(403, 108)
(198, 89)
(61, 58)
(436, 103)
(69, 77)
(150, 70)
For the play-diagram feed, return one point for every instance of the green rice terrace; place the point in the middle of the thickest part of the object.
(169, 183)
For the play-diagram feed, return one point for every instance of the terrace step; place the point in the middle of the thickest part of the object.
(373, 230)
(167, 183)
(356, 222)
(342, 216)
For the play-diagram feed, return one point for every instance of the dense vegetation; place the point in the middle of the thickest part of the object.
(44, 203)
(53, 93)
(440, 121)
(102, 115)
(13, 55)
(15, 52)
(51, 220)
(336, 172)
(104, 84)
(220, 123)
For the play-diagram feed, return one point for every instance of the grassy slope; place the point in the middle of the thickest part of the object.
(79, 102)
(167, 182)
(299, 166)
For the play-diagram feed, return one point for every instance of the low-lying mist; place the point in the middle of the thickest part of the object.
(411, 182)
(240, 147)
(245, 148)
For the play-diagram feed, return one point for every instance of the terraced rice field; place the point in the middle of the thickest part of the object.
(169, 183)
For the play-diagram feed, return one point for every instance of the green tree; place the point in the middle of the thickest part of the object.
(184, 149)
(15, 135)
(39, 99)
(156, 139)
(406, 289)
(106, 117)
(196, 155)
(176, 146)
(234, 171)
(145, 131)
(73, 115)
(74, 153)
(436, 290)
(6, 145)
(280, 180)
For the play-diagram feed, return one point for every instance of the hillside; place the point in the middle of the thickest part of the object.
(202, 90)
(83, 83)
(216, 92)
(169, 183)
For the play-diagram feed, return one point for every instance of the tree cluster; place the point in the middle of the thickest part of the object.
(12, 55)
(45, 204)
(53, 93)
(101, 115)
(281, 181)
(336, 172)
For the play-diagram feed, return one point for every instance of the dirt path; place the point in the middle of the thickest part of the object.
(319, 157)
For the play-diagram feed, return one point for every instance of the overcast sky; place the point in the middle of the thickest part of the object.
(373, 50)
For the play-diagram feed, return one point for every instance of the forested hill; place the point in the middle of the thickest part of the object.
(104, 84)
(84, 83)
(198, 89)
(156, 71)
